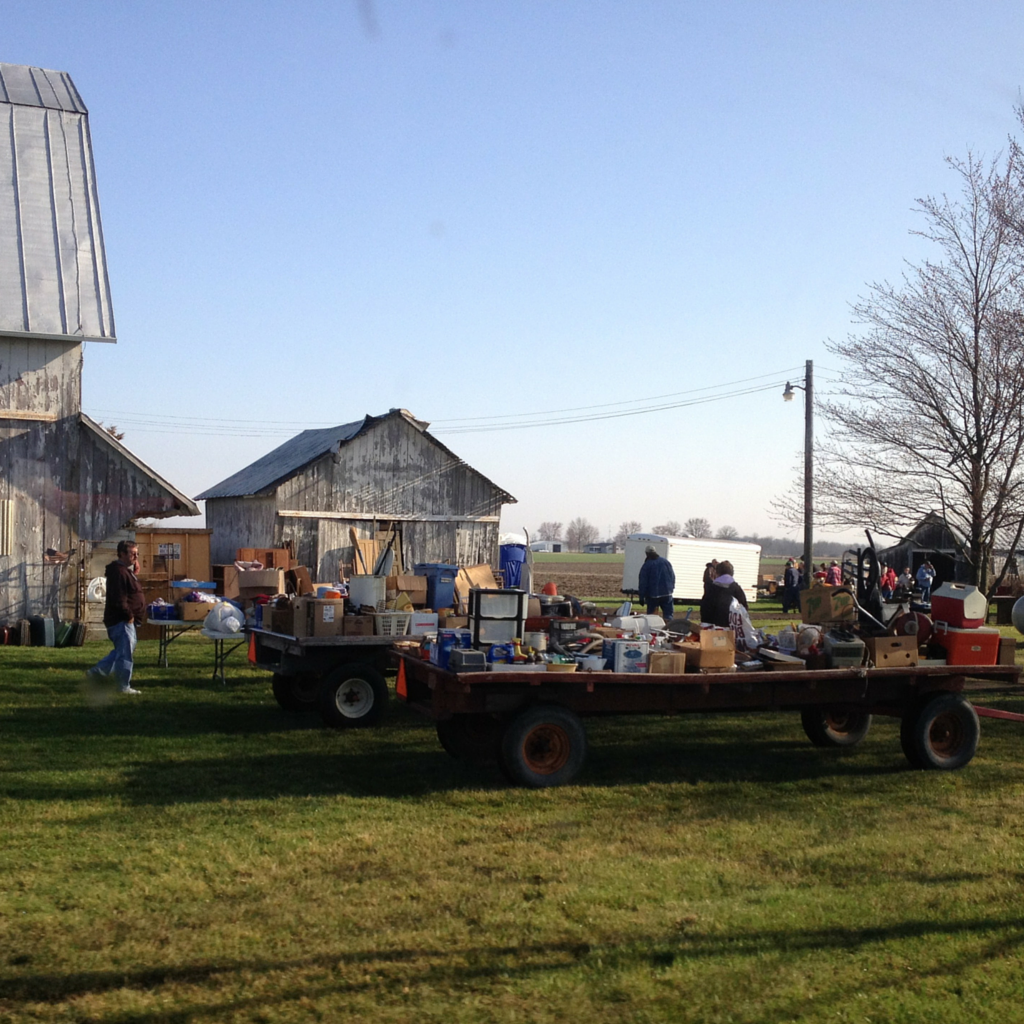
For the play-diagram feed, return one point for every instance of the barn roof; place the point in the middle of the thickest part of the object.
(283, 461)
(287, 459)
(53, 267)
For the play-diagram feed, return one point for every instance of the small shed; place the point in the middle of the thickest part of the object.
(376, 473)
(601, 547)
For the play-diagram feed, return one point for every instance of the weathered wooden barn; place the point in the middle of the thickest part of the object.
(931, 539)
(368, 475)
(66, 485)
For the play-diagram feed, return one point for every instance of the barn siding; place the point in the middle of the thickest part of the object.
(239, 523)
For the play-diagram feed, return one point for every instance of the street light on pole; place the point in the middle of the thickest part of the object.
(808, 389)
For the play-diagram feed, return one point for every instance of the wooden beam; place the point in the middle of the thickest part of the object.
(25, 414)
(386, 517)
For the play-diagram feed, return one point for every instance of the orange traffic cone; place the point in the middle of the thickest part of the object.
(400, 689)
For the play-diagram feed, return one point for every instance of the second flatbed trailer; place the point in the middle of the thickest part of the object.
(531, 722)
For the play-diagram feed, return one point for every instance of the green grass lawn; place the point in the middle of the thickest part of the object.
(195, 854)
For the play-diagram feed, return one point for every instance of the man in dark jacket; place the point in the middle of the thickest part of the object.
(714, 608)
(656, 585)
(125, 606)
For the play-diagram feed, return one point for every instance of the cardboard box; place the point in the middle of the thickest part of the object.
(666, 663)
(626, 655)
(710, 648)
(193, 611)
(1007, 650)
(298, 580)
(357, 625)
(827, 604)
(453, 621)
(422, 622)
(279, 620)
(892, 651)
(325, 616)
(414, 586)
(255, 582)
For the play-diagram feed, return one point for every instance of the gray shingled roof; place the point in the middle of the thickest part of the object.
(282, 462)
(53, 268)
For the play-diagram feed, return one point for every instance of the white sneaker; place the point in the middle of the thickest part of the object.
(130, 692)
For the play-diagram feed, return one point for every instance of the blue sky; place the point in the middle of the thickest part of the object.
(314, 211)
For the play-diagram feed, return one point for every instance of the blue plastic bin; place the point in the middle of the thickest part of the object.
(440, 583)
(512, 558)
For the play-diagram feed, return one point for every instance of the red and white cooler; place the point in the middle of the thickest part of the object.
(959, 605)
(967, 646)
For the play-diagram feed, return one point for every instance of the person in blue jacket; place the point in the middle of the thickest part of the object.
(657, 582)
(925, 577)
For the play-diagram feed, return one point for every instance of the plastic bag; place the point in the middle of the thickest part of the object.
(747, 638)
(224, 618)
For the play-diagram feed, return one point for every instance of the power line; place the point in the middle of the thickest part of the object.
(235, 427)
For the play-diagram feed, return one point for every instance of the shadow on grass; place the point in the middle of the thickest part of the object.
(393, 972)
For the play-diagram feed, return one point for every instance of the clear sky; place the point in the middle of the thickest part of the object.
(316, 210)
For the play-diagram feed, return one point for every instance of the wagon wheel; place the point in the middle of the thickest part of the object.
(353, 696)
(298, 692)
(835, 727)
(471, 738)
(941, 733)
(543, 746)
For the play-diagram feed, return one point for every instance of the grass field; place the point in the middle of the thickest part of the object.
(194, 854)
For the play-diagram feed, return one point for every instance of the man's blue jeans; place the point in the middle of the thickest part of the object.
(118, 663)
(663, 604)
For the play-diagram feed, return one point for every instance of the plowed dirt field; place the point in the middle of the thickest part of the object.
(581, 579)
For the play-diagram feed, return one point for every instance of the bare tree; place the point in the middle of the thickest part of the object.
(579, 533)
(928, 416)
(117, 435)
(625, 529)
(727, 533)
(549, 531)
(697, 527)
(672, 528)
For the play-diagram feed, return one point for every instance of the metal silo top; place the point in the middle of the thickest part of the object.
(53, 268)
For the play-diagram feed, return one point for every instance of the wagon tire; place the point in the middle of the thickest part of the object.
(471, 738)
(835, 727)
(353, 697)
(942, 733)
(543, 746)
(296, 693)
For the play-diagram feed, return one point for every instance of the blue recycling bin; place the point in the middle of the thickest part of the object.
(512, 557)
(440, 583)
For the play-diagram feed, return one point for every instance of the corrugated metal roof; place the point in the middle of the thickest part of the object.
(282, 462)
(53, 268)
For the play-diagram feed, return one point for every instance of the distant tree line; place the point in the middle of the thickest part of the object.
(581, 532)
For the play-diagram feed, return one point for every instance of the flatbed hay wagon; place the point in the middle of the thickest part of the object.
(531, 723)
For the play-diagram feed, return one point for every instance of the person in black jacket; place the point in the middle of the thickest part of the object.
(125, 606)
(718, 595)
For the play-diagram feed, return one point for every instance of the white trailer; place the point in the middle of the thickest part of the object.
(689, 557)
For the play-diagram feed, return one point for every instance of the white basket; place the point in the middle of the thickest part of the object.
(391, 623)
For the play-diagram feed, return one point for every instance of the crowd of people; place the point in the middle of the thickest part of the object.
(889, 584)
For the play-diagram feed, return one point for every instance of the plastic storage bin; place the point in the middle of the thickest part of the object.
(370, 591)
(440, 583)
(497, 616)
